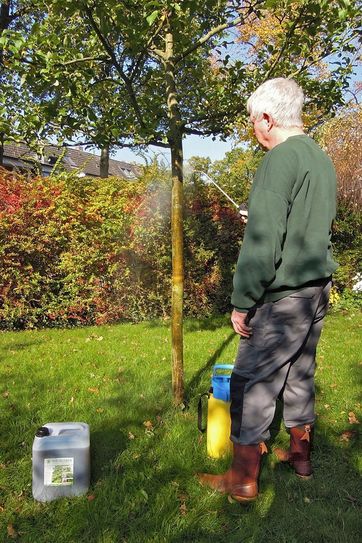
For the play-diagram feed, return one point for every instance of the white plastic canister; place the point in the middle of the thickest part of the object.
(61, 460)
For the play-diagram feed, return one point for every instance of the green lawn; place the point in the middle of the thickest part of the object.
(145, 453)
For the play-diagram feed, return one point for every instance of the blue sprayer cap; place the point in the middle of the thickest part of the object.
(220, 381)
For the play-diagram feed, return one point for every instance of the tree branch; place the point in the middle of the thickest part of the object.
(145, 143)
(135, 68)
(218, 116)
(218, 29)
(109, 49)
(328, 52)
(285, 44)
(104, 79)
(207, 37)
(83, 59)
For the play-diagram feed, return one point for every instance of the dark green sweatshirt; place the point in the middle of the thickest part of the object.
(287, 241)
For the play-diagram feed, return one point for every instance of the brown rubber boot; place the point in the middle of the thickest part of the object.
(299, 451)
(241, 480)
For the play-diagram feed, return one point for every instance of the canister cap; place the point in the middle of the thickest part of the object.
(42, 432)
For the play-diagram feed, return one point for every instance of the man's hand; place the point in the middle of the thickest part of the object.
(238, 320)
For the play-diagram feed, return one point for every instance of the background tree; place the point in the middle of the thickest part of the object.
(16, 17)
(341, 137)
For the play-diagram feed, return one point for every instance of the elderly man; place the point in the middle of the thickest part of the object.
(281, 289)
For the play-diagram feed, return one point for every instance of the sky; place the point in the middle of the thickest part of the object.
(193, 146)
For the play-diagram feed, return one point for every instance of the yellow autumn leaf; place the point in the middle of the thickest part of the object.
(352, 419)
(12, 532)
(93, 390)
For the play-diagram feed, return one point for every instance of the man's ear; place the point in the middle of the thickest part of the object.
(268, 120)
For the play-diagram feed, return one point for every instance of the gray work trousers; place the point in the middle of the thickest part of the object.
(279, 356)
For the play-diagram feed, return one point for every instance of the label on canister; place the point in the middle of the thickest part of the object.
(58, 471)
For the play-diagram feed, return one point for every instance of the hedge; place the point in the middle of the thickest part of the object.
(93, 251)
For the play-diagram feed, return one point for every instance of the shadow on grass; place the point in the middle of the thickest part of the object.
(19, 346)
(193, 385)
(193, 325)
(209, 323)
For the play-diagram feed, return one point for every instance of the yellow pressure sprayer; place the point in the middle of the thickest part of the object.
(218, 412)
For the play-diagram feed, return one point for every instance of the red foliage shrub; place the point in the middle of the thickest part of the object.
(93, 251)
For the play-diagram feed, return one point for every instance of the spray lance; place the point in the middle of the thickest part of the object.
(242, 208)
(218, 397)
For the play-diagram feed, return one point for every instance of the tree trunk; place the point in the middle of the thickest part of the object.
(104, 162)
(177, 272)
(1, 149)
(4, 22)
(4, 15)
(175, 140)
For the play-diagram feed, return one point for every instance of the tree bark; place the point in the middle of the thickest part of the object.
(1, 149)
(104, 162)
(4, 15)
(4, 22)
(175, 141)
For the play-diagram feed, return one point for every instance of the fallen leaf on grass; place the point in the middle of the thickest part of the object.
(6, 394)
(183, 509)
(91, 497)
(12, 532)
(334, 385)
(148, 425)
(94, 336)
(131, 436)
(94, 390)
(347, 435)
(327, 406)
(352, 419)
(100, 410)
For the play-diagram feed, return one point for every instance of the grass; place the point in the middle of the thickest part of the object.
(145, 452)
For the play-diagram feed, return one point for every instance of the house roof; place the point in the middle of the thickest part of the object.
(18, 155)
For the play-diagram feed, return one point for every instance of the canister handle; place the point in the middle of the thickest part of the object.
(222, 367)
(58, 428)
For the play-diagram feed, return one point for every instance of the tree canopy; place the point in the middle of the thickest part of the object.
(150, 72)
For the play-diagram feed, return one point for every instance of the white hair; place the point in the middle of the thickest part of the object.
(280, 98)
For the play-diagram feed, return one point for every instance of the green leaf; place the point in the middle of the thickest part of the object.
(151, 18)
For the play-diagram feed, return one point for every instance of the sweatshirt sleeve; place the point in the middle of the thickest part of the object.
(265, 232)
